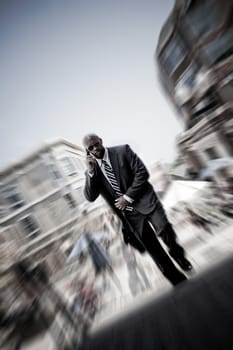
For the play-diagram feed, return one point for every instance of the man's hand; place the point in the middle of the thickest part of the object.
(121, 203)
(91, 163)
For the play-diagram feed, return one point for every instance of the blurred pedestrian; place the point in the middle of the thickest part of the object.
(137, 278)
(199, 220)
(101, 261)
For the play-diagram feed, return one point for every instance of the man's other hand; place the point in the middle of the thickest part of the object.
(121, 203)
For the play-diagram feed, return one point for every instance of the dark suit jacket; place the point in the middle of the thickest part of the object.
(132, 177)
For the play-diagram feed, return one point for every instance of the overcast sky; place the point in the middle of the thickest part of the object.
(72, 67)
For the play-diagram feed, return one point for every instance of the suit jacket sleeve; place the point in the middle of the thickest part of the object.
(91, 187)
(140, 174)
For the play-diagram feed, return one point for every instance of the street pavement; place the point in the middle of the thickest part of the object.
(204, 250)
(196, 315)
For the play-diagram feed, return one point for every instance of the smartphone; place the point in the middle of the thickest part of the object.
(87, 152)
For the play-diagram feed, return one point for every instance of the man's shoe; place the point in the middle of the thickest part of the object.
(184, 264)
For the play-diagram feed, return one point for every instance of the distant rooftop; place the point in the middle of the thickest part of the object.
(44, 147)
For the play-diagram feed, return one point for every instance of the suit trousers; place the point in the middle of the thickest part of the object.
(145, 227)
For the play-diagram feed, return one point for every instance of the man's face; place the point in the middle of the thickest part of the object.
(95, 146)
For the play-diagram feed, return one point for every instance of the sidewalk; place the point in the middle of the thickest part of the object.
(208, 253)
(198, 314)
(203, 254)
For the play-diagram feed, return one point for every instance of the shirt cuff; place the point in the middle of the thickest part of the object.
(130, 200)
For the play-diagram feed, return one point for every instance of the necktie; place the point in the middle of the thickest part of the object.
(113, 181)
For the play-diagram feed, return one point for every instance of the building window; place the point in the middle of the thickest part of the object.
(12, 197)
(188, 77)
(40, 181)
(211, 152)
(68, 166)
(220, 48)
(193, 158)
(173, 54)
(229, 137)
(37, 175)
(204, 17)
(228, 80)
(3, 213)
(54, 171)
(207, 104)
(29, 226)
(70, 200)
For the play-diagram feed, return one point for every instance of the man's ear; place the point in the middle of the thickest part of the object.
(101, 141)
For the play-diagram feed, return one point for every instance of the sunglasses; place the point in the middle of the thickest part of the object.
(91, 147)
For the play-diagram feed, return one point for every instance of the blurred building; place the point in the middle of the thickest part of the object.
(195, 60)
(43, 210)
(180, 170)
(159, 178)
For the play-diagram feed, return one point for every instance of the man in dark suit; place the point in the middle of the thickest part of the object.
(120, 176)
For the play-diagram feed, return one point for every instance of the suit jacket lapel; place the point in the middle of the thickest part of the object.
(115, 164)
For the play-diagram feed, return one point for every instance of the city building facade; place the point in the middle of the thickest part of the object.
(195, 66)
(159, 178)
(42, 207)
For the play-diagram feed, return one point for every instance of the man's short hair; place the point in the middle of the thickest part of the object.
(89, 136)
